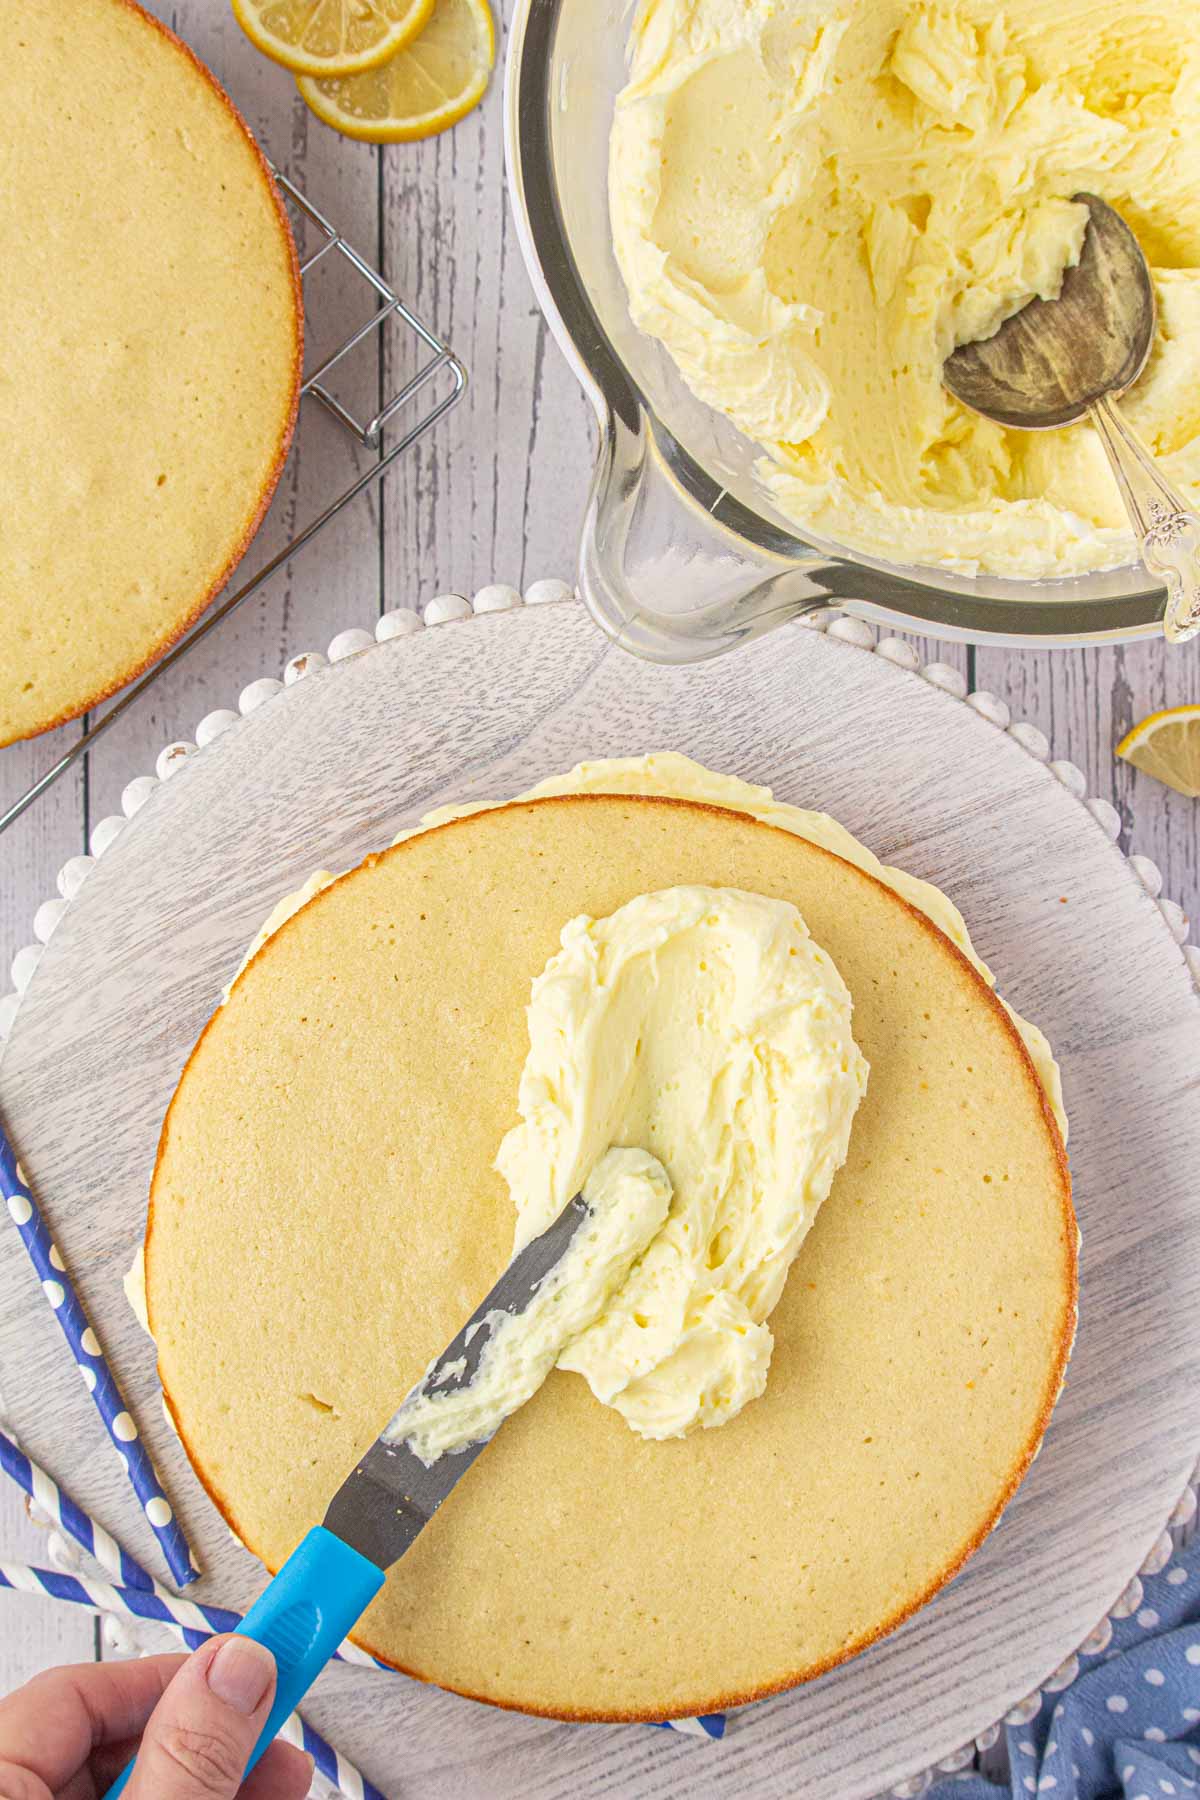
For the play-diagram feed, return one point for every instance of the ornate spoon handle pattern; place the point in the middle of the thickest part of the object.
(1167, 530)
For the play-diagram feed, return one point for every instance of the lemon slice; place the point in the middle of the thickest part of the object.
(425, 88)
(1166, 746)
(331, 37)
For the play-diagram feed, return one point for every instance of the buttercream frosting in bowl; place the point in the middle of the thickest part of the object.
(813, 203)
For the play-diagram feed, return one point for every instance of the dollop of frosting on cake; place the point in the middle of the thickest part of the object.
(704, 1025)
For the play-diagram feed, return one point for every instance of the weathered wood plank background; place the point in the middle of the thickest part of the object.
(496, 492)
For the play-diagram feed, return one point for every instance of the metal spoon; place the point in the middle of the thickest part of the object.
(1058, 361)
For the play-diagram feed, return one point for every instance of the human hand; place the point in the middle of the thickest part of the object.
(67, 1734)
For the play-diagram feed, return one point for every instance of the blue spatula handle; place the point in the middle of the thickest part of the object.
(320, 1593)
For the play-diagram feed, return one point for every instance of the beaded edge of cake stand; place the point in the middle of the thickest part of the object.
(496, 597)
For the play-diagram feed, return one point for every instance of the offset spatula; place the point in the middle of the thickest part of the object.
(336, 1571)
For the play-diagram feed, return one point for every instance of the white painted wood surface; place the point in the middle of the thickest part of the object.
(483, 707)
(496, 493)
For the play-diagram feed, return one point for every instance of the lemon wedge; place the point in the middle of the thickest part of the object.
(426, 87)
(331, 37)
(1166, 746)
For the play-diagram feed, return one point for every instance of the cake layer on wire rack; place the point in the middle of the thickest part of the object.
(368, 432)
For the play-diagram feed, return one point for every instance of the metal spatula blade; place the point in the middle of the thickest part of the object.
(382, 1506)
(391, 1495)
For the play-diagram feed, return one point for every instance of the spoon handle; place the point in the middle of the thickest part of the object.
(1167, 530)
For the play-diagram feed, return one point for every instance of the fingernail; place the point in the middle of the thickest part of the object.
(240, 1674)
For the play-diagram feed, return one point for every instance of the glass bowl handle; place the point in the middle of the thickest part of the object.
(662, 577)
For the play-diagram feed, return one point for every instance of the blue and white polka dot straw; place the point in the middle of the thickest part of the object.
(93, 1366)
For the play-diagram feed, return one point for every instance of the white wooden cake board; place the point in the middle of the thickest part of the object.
(330, 770)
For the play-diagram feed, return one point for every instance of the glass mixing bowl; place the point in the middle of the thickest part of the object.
(683, 554)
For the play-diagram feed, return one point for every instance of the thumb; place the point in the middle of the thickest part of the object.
(200, 1735)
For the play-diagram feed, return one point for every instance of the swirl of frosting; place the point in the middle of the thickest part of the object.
(704, 1025)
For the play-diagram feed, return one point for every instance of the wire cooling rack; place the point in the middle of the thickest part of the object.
(438, 371)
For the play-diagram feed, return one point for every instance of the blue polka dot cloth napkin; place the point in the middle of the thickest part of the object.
(1128, 1727)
